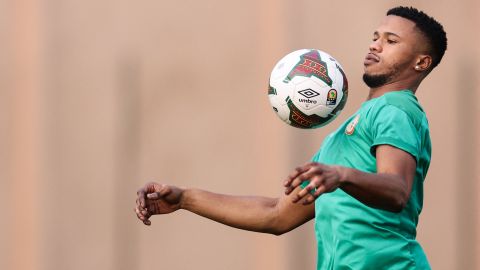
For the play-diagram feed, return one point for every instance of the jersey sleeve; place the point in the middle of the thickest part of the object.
(394, 127)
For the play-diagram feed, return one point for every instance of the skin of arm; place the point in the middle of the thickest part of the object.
(388, 189)
(254, 213)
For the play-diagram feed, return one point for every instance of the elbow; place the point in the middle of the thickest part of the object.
(399, 203)
(276, 225)
(277, 231)
(274, 232)
(279, 227)
(398, 206)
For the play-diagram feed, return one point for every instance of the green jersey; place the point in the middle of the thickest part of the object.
(350, 234)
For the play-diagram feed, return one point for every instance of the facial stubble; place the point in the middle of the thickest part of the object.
(377, 80)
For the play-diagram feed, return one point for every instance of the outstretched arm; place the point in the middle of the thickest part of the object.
(253, 213)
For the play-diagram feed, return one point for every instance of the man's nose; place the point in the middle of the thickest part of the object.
(375, 46)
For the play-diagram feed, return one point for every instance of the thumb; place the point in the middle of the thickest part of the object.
(153, 196)
(164, 191)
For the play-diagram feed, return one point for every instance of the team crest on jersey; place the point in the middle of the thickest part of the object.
(351, 126)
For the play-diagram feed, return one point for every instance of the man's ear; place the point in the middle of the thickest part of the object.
(423, 63)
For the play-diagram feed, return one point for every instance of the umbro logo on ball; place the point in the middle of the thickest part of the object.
(308, 93)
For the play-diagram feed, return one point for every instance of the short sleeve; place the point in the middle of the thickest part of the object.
(394, 127)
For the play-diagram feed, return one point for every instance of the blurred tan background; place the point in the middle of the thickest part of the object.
(98, 97)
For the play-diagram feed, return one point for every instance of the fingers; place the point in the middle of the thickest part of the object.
(141, 209)
(311, 197)
(141, 197)
(321, 180)
(319, 184)
(155, 199)
(143, 216)
(297, 178)
(299, 170)
(304, 192)
(302, 177)
(148, 188)
(309, 194)
(313, 190)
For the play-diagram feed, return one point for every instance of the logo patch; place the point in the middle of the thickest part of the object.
(351, 126)
(308, 93)
(332, 97)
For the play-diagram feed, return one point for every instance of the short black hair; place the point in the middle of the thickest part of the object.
(429, 27)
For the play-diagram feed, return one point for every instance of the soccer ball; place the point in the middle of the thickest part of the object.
(308, 88)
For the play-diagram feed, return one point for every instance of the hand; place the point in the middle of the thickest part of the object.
(323, 179)
(155, 199)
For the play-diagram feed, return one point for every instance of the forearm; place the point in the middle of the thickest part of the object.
(251, 213)
(384, 191)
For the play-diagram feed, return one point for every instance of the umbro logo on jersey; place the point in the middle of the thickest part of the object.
(351, 126)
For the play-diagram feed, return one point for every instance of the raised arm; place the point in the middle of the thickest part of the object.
(253, 213)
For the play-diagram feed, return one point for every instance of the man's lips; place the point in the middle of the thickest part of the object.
(371, 58)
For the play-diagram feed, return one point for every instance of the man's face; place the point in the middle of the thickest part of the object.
(393, 53)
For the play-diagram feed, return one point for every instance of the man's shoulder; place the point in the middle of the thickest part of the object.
(404, 101)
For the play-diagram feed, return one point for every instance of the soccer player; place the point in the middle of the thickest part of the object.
(367, 178)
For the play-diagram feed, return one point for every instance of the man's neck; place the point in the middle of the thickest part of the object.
(392, 87)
